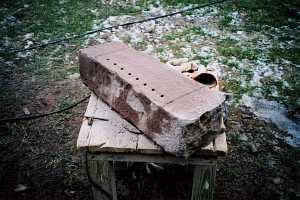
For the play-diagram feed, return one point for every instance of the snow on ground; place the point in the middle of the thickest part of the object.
(198, 37)
(276, 113)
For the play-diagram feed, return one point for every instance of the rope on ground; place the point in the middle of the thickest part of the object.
(44, 114)
(112, 27)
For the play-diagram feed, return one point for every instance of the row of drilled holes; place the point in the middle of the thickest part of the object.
(145, 84)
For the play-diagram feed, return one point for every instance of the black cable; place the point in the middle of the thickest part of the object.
(91, 180)
(111, 27)
(44, 114)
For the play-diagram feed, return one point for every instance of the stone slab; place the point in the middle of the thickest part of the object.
(177, 113)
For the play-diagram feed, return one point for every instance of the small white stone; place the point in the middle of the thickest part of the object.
(20, 188)
(178, 61)
(243, 137)
(74, 76)
(276, 180)
(26, 111)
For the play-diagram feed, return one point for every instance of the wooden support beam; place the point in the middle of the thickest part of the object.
(203, 182)
(103, 174)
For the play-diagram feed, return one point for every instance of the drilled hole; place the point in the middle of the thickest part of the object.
(162, 95)
(136, 78)
(145, 84)
(107, 59)
(122, 68)
(129, 74)
(153, 89)
(115, 63)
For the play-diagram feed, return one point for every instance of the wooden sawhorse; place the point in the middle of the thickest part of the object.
(109, 138)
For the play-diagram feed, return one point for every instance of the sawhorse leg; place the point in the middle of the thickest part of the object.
(102, 173)
(203, 182)
(101, 169)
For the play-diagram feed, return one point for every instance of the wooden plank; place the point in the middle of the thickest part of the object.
(84, 135)
(85, 130)
(112, 135)
(91, 108)
(145, 145)
(209, 147)
(220, 144)
(203, 182)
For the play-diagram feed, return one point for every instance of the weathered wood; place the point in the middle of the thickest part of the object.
(171, 109)
(145, 145)
(156, 158)
(117, 135)
(102, 174)
(209, 147)
(111, 135)
(84, 136)
(220, 144)
(203, 182)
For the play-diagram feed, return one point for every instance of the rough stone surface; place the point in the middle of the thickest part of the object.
(177, 113)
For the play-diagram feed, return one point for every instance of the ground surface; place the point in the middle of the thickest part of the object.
(254, 46)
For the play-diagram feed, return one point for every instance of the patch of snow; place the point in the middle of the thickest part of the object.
(236, 18)
(74, 76)
(216, 67)
(28, 36)
(276, 113)
(26, 53)
(263, 69)
(206, 51)
(154, 11)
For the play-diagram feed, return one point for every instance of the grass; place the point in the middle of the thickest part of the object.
(237, 89)
(288, 96)
(290, 54)
(225, 21)
(229, 47)
(186, 34)
(273, 13)
(68, 17)
(184, 2)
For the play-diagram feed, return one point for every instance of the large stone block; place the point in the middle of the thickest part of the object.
(178, 113)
